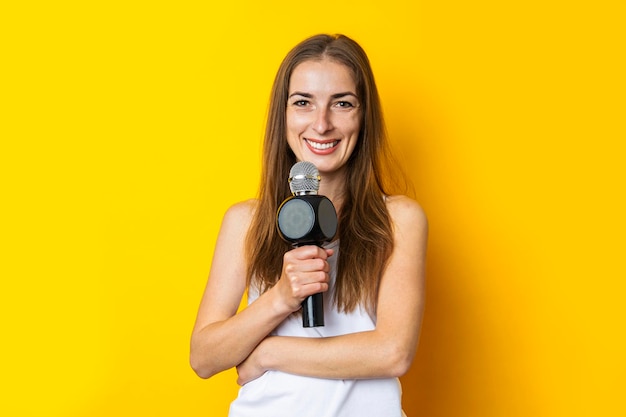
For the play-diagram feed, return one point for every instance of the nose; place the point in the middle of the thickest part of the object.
(322, 123)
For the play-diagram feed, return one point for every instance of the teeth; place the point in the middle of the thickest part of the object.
(322, 146)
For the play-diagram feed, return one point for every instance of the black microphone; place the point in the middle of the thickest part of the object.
(307, 218)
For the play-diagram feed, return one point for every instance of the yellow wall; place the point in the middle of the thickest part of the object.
(127, 128)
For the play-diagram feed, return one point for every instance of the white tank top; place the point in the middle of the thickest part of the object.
(278, 394)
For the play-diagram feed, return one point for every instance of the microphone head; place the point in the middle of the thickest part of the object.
(304, 178)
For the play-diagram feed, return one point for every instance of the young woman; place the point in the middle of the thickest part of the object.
(325, 110)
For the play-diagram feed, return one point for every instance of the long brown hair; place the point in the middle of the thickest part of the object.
(365, 229)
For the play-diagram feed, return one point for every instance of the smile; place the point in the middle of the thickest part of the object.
(322, 146)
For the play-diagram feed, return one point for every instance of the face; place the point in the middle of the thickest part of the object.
(323, 114)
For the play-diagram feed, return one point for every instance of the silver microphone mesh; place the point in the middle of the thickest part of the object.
(304, 178)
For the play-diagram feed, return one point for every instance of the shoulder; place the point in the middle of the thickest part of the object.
(242, 211)
(239, 216)
(406, 212)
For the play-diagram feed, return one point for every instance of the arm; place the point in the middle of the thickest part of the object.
(223, 338)
(388, 350)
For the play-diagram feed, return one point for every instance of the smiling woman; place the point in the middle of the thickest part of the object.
(323, 114)
(325, 110)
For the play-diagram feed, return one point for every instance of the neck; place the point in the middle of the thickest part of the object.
(333, 186)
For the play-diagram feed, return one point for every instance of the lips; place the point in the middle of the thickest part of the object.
(322, 146)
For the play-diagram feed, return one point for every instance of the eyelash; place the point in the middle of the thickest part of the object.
(341, 104)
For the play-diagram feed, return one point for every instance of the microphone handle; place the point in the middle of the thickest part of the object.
(313, 306)
(313, 310)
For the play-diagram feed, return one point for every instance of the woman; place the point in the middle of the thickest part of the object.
(324, 109)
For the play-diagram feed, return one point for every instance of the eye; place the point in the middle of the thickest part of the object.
(301, 103)
(344, 105)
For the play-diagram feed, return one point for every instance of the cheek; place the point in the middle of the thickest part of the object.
(298, 120)
(292, 132)
(294, 123)
(353, 126)
(352, 130)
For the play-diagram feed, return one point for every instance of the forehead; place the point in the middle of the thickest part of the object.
(322, 75)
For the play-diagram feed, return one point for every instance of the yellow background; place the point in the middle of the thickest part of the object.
(127, 128)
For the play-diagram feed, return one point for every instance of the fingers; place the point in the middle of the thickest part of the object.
(305, 265)
(310, 252)
(307, 259)
(306, 271)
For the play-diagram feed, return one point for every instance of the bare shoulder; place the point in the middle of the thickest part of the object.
(237, 220)
(406, 212)
(242, 212)
(239, 216)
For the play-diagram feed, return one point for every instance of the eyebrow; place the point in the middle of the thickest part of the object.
(334, 96)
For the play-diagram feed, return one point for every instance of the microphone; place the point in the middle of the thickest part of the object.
(307, 218)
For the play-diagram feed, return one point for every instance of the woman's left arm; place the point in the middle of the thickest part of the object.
(386, 351)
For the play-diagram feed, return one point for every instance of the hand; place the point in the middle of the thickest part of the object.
(305, 272)
(251, 369)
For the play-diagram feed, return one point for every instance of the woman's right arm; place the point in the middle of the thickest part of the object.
(223, 338)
